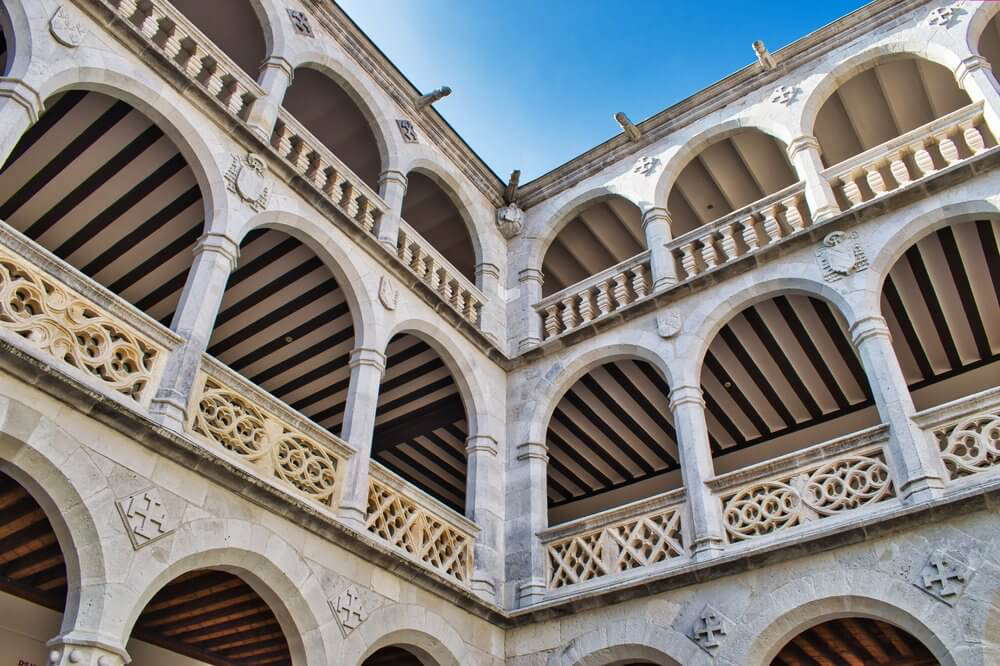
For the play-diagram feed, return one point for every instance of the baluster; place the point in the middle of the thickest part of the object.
(621, 289)
(281, 139)
(350, 200)
(475, 311)
(586, 306)
(366, 214)
(923, 159)
(210, 76)
(604, 297)
(793, 218)
(126, 8)
(459, 296)
(898, 168)
(875, 180)
(151, 22)
(314, 168)
(727, 240)
(332, 188)
(436, 277)
(403, 248)
(228, 91)
(709, 255)
(749, 225)
(772, 228)
(170, 42)
(688, 262)
(193, 58)
(417, 260)
(568, 314)
(947, 147)
(640, 285)
(852, 191)
(973, 137)
(552, 320)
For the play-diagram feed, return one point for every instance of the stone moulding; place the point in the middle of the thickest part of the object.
(240, 418)
(967, 432)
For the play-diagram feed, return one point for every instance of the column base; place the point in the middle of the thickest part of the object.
(353, 516)
(530, 593)
(483, 586)
(168, 411)
(262, 132)
(921, 489)
(64, 652)
(528, 343)
(825, 213)
(708, 548)
(664, 283)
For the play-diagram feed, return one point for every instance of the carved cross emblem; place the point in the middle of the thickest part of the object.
(246, 179)
(350, 609)
(300, 22)
(646, 165)
(407, 130)
(709, 626)
(145, 517)
(944, 576)
(841, 255)
(944, 16)
(65, 30)
(785, 94)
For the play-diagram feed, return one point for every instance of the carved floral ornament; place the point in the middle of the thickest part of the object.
(65, 29)
(246, 178)
(841, 255)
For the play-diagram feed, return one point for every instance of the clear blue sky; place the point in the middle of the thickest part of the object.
(536, 82)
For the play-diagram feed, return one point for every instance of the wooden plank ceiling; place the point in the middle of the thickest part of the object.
(854, 641)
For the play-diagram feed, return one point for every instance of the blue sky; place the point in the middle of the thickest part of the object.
(537, 82)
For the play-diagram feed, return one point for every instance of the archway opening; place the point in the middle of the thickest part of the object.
(327, 110)
(727, 175)
(611, 441)
(420, 422)
(286, 325)
(213, 617)
(233, 26)
(97, 183)
(885, 100)
(989, 43)
(396, 656)
(3, 53)
(854, 641)
(941, 301)
(429, 209)
(605, 232)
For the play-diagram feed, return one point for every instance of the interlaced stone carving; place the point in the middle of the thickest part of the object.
(70, 328)
(616, 548)
(944, 576)
(840, 485)
(402, 523)
(972, 445)
(145, 517)
(223, 416)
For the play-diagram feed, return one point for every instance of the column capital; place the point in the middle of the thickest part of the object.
(869, 327)
(367, 356)
(800, 143)
(24, 94)
(394, 177)
(67, 650)
(281, 64)
(221, 244)
(533, 451)
(487, 269)
(656, 214)
(972, 63)
(686, 394)
(480, 444)
(531, 275)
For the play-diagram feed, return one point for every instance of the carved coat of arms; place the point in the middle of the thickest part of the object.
(510, 220)
(841, 255)
(668, 323)
(388, 295)
(65, 30)
(246, 178)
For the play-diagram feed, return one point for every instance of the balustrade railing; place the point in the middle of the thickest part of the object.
(419, 526)
(596, 297)
(228, 412)
(52, 309)
(425, 262)
(636, 535)
(910, 157)
(166, 30)
(967, 432)
(809, 485)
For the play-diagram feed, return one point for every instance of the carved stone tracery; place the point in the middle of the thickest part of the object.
(972, 445)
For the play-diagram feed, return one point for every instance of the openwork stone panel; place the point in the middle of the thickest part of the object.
(224, 417)
(416, 530)
(972, 445)
(72, 329)
(615, 548)
(845, 483)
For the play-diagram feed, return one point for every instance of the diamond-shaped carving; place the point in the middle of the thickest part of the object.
(349, 609)
(145, 516)
(709, 626)
(300, 22)
(944, 576)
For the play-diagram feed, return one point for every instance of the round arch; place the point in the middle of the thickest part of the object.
(427, 634)
(634, 641)
(982, 14)
(20, 42)
(228, 28)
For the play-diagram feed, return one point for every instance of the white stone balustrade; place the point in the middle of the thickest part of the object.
(48, 308)
(805, 486)
(326, 172)
(967, 432)
(908, 158)
(439, 274)
(635, 535)
(419, 526)
(596, 297)
(228, 412)
(167, 31)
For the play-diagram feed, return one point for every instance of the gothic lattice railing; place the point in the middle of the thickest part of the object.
(409, 525)
(967, 432)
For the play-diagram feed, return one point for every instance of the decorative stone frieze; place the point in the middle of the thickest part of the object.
(246, 178)
(668, 323)
(708, 628)
(510, 220)
(841, 255)
(65, 29)
(646, 165)
(944, 576)
(785, 94)
(300, 22)
(388, 294)
(407, 130)
(146, 517)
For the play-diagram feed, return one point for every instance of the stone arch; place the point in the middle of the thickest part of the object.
(982, 14)
(261, 558)
(432, 639)
(15, 24)
(228, 28)
(624, 642)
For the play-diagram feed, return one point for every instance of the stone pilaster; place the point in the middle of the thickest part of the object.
(20, 106)
(529, 514)
(276, 76)
(916, 467)
(367, 367)
(531, 292)
(69, 652)
(484, 506)
(215, 257)
(656, 225)
(704, 509)
(804, 153)
(392, 188)
(975, 75)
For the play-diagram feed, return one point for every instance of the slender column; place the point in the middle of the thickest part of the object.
(531, 292)
(656, 225)
(977, 78)
(804, 154)
(20, 106)
(215, 257)
(392, 188)
(529, 515)
(917, 470)
(276, 76)
(484, 506)
(704, 509)
(65, 651)
(367, 366)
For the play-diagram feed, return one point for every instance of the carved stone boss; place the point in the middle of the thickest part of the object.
(66, 31)
(349, 609)
(246, 178)
(841, 255)
(707, 629)
(146, 518)
(944, 576)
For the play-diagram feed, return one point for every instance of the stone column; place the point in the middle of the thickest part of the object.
(367, 367)
(975, 75)
(484, 506)
(805, 157)
(20, 107)
(529, 514)
(215, 257)
(276, 76)
(531, 292)
(704, 509)
(914, 462)
(656, 225)
(392, 188)
(65, 651)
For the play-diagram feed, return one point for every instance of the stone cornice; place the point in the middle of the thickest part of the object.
(710, 99)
